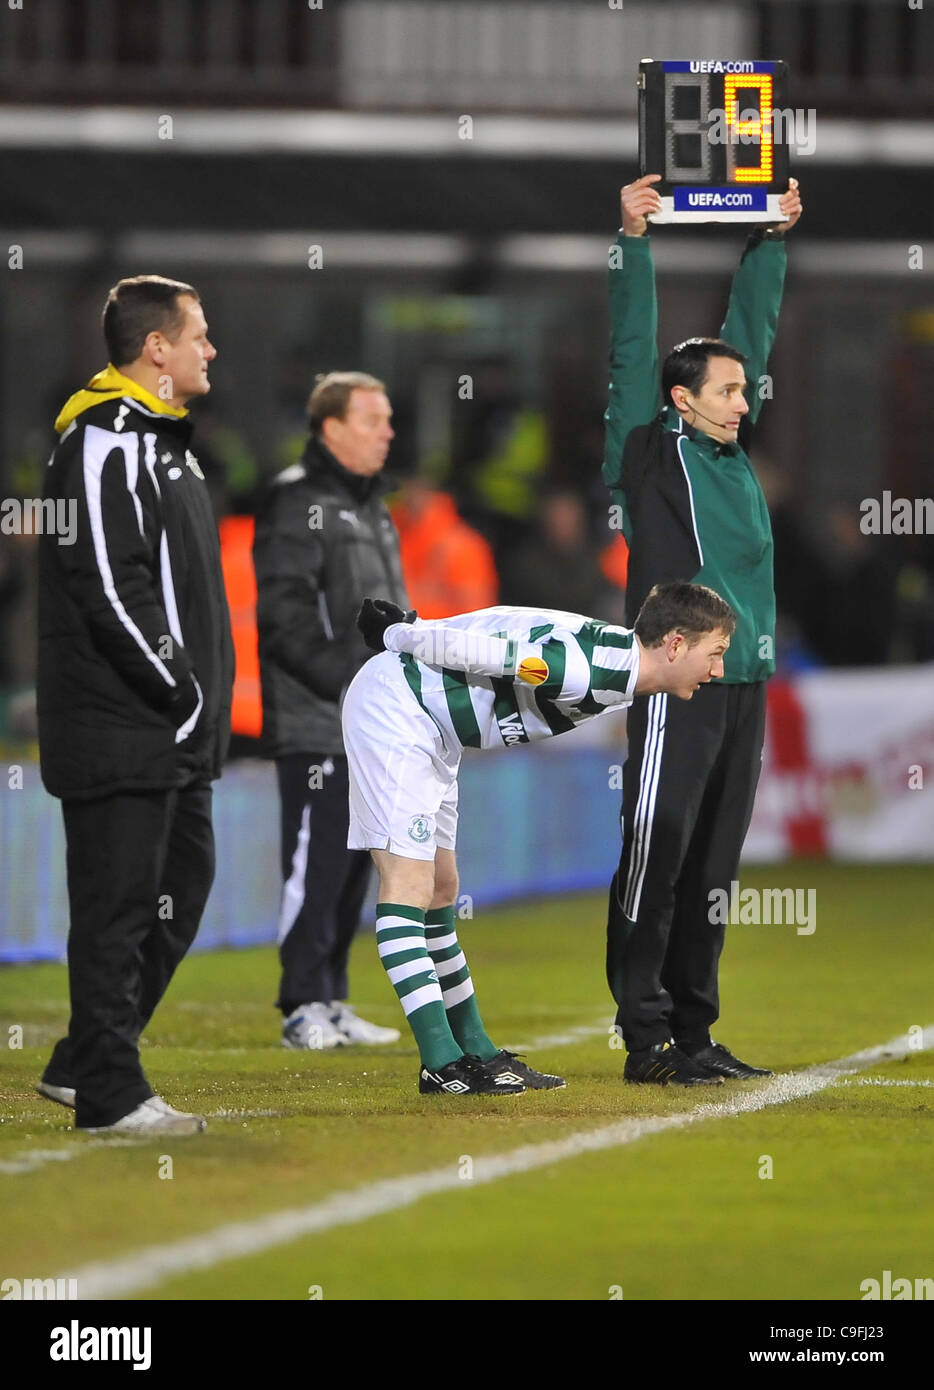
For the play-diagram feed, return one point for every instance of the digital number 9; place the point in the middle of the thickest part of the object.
(760, 125)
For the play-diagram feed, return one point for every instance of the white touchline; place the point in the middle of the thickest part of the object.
(571, 1035)
(31, 1159)
(884, 1081)
(150, 1266)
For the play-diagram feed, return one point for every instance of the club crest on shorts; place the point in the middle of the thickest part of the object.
(419, 829)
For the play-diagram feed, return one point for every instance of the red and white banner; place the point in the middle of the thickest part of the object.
(848, 767)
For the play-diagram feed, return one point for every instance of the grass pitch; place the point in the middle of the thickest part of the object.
(686, 1213)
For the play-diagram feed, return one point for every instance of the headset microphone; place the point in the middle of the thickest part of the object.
(706, 417)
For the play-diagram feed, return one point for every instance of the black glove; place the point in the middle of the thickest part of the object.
(375, 616)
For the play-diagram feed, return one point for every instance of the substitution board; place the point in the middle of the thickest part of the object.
(715, 130)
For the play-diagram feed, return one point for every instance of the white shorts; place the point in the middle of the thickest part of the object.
(403, 782)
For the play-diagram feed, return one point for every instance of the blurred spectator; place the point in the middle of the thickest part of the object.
(614, 564)
(559, 566)
(835, 590)
(913, 619)
(246, 715)
(500, 455)
(799, 573)
(226, 460)
(19, 583)
(12, 584)
(855, 598)
(448, 566)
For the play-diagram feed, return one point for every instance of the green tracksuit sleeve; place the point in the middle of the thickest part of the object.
(752, 314)
(634, 380)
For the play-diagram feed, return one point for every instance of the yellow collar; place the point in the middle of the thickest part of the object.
(107, 386)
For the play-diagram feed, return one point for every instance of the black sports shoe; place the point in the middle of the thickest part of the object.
(666, 1065)
(533, 1080)
(468, 1076)
(718, 1060)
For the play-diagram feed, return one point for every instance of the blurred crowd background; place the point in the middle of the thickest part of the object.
(425, 190)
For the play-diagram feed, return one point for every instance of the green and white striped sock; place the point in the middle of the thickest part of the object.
(456, 985)
(400, 940)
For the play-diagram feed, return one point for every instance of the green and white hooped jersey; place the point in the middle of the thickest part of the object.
(504, 676)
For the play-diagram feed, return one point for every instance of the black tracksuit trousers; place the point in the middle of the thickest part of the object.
(689, 784)
(325, 882)
(140, 866)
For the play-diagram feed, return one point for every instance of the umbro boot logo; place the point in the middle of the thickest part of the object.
(455, 1087)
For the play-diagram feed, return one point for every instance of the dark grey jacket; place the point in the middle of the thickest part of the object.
(324, 542)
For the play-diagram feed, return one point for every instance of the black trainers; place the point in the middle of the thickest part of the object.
(718, 1060)
(533, 1080)
(666, 1065)
(468, 1076)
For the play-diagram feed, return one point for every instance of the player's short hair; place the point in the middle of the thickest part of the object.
(686, 364)
(691, 609)
(331, 396)
(138, 306)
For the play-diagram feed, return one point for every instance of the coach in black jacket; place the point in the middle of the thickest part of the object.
(135, 673)
(324, 541)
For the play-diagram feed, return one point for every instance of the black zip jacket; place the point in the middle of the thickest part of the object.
(324, 542)
(135, 661)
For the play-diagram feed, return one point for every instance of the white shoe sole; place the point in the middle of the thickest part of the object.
(62, 1095)
(390, 1035)
(154, 1116)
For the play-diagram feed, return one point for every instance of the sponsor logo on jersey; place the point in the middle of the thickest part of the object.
(193, 464)
(512, 730)
(532, 670)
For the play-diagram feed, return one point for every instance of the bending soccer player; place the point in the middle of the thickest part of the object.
(494, 678)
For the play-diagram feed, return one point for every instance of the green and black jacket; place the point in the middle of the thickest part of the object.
(691, 507)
